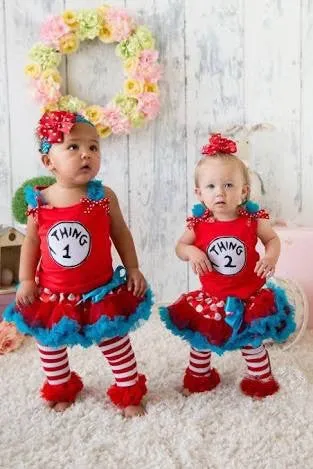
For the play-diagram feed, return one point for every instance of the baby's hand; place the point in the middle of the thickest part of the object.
(136, 282)
(265, 267)
(199, 261)
(26, 292)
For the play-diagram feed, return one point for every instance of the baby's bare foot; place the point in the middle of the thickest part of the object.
(50, 404)
(185, 392)
(134, 411)
(61, 406)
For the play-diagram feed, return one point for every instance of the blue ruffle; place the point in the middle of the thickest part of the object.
(69, 332)
(277, 327)
(31, 196)
(251, 207)
(95, 190)
(198, 210)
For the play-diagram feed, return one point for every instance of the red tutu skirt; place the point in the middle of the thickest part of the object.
(51, 307)
(200, 312)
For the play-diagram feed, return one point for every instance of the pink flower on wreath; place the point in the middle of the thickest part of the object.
(118, 123)
(121, 24)
(46, 92)
(10, 339)
(52, 30)
(148, 72)
(149, 104)
(148, 57)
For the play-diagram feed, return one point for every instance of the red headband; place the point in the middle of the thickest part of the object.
(219, 144)
(53, 125)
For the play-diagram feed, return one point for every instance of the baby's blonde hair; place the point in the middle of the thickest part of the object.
(224, 157)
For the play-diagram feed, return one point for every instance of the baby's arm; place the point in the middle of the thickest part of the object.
(30, 255)
(266, 265)
(124, 243)
(187, 252)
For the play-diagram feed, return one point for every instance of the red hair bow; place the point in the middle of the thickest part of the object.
(54, 124)
(219, 144)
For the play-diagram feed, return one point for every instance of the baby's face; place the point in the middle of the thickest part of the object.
(221, 187)
(77, 159)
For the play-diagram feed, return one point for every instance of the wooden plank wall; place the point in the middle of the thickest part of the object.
(225, 63)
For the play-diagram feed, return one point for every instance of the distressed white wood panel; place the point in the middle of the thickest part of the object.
(23, 21)
(5, 153)
(214, 77)
(158, 159)
(272, 94)
(95, 75)
(306, 216)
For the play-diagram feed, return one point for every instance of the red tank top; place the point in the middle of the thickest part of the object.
(230, 246)
(75, 246)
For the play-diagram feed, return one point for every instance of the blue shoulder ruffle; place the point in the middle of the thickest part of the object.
(251, 207)
(95, 190)
(198, 210)
(31, 196)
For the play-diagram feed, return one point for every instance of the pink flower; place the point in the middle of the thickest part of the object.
(147, 68)
(10, 339)
(121, 24)
(52, 30)
(149, 104)
(116, 120)
(148, 72)
(46, 92)
(148, 57)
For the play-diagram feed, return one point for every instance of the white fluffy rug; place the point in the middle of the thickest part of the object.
(218, 430)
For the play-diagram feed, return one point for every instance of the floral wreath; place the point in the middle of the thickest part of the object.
(61, 35)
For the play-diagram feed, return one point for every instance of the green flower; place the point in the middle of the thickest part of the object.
(137, 119)
(128, 48)
(45, 56)
(126, 104)
(145, 37)
(71, 104)
(89, 24)
(131, 47)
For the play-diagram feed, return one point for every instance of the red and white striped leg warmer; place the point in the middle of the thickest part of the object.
(259, 381)
(129, 387)
(62, 385)
(199, 376)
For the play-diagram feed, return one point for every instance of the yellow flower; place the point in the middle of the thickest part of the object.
(69, 43)
(105, 34)
(52, 74)
(50, 107)
(130, 64)
(103, 130)
(32, 70)
(103, 9)
(70, 18)
(94, 114)
(133, 87)
(151, 88)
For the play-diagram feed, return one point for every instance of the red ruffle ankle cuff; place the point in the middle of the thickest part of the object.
(130, 395)
(203, 383)
(65, 392)
(258, 387)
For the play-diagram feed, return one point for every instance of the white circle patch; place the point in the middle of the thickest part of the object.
(69, 243)
(227, 255)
